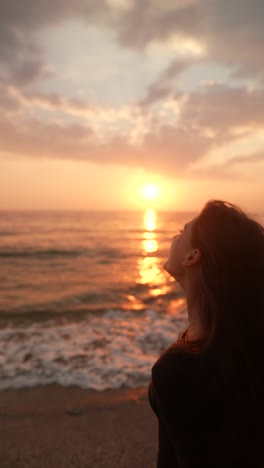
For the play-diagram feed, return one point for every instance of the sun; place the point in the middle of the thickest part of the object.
(151, 192)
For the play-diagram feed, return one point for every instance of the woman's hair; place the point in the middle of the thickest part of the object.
(232, 275)
(232, 293)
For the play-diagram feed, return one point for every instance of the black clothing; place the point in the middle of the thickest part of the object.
(198, 425)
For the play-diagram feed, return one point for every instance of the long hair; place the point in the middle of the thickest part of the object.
(231, 297)
(232, 267)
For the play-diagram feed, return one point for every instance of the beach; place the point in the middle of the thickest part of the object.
(52, 426)
(85, 304)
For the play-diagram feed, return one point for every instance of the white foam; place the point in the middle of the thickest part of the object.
(113, 350)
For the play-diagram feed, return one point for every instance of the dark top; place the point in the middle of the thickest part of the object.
(197, 423)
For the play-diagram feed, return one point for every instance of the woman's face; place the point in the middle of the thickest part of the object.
(181, 254)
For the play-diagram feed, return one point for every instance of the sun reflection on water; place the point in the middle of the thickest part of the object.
(149, 242)
(149, 268)
(150, 219)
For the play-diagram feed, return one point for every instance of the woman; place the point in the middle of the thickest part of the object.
(207, 388)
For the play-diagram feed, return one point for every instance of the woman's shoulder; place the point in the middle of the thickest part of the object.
(183, 368)
(188, 384)
(177, 356)
(171, 361)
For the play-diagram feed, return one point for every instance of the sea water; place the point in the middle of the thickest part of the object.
(84, 297)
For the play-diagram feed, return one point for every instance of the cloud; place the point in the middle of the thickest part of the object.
(234, 30)
(231, 169)
(208, 119)
(21, 61)
(105, 122)
(231, 29)
(29, 71)
(39, 139)
(170, 150)
(162, 87)
(8, 102)
(249, 158)
(167, 150)
(31, 15)
(224, 110)
(166, 131)
(47, 101)
(146, 22)
(21, 58)
(156, 92)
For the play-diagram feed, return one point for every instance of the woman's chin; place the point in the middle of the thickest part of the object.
(176, 275)
(167, 267)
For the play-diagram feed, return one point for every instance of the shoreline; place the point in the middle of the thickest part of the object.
(50, 425)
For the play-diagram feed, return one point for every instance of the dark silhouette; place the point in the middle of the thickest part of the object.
(207, 388)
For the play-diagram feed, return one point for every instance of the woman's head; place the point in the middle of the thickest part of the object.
(220, 255)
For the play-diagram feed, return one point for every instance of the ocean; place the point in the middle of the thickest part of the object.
(84, 298)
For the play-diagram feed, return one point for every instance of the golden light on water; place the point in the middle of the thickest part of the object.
(149, 241)
(149, 266)
(150, 244)
(149, 271)
(150, 219)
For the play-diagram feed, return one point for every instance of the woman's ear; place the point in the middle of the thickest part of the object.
(193, 256)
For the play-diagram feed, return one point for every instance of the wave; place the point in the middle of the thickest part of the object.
(55, 252)
(104, 255)
(39, 252)
(9, 233)
(93, 353)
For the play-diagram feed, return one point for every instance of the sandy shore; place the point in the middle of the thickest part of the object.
(53, 426)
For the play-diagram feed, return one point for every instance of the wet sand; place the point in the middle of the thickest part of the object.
(52, 426)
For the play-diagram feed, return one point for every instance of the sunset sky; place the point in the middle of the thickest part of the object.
(100, 98)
